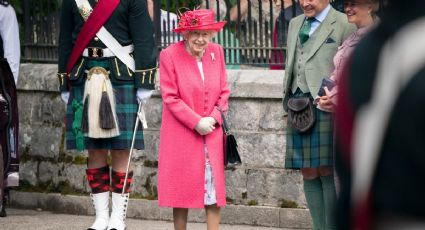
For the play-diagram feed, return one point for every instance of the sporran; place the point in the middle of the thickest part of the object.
(99, 115)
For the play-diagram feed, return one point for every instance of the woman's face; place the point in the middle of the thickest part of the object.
(358, 12)
(197, 41)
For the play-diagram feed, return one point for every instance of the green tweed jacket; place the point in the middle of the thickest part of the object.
(331, 33)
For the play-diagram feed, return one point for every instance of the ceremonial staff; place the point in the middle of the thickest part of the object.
(140, 117)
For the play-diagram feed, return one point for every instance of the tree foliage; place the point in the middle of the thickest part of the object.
(181, 3)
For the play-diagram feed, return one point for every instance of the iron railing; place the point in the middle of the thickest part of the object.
(41, 26)
(252, 35)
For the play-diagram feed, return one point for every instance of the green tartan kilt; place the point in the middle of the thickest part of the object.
(313, 148)
(126, 109)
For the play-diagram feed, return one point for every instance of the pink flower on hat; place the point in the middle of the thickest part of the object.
(189, 19)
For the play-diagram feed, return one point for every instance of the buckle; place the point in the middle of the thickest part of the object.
(95, 52)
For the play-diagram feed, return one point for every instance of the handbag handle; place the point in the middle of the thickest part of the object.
(225, 125)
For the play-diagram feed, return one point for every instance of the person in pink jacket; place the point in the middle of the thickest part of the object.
(194, 88)
(361, 13)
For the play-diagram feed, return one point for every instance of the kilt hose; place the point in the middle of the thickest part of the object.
(126, 109)
(313, 148)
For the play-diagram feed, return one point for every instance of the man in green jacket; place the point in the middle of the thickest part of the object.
(101, 81)
(312, 42)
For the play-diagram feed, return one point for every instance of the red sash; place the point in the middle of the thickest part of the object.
(101, 12)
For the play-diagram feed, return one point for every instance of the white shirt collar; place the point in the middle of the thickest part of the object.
(319, 19)
(322, 15)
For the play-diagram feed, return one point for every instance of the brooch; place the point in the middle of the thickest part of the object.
(212, 57)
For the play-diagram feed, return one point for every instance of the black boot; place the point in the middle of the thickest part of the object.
(3, 206)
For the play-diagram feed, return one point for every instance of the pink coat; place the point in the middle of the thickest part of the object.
(186, 99)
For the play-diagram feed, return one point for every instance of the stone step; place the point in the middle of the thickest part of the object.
(148, 209)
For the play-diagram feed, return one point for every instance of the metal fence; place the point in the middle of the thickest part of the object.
(246, 39)
(41, 30)
(254, 35)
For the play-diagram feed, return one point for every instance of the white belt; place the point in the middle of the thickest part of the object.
(105, 52)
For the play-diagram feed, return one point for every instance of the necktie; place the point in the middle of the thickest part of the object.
(305, 30)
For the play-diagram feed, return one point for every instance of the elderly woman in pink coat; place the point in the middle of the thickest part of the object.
(194, 89)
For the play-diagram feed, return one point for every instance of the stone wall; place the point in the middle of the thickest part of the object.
(255, 116)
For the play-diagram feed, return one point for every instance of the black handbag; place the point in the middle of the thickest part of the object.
(231, 154)
(301, 114)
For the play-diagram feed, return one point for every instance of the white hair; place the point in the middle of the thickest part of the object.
(186, 33)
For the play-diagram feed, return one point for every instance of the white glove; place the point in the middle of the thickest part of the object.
(211, 120)
(65, 97)
(204, 126)
(143, 95)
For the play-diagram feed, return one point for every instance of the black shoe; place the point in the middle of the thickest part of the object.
(2, 211)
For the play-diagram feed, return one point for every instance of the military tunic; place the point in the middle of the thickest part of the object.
(129, 24)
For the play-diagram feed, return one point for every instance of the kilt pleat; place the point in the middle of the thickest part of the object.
(313, 148)
(126, 109)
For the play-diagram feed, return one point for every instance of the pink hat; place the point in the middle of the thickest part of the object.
(198, 20)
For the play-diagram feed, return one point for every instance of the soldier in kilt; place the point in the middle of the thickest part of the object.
(102, 92)
(313, 40)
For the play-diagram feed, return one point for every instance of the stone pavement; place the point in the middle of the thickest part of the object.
(264, 216)
(20, 219)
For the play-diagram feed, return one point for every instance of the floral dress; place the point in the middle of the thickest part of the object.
(210, 195)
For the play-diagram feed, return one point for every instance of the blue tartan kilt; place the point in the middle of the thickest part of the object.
(313, 148)
(126, 109)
